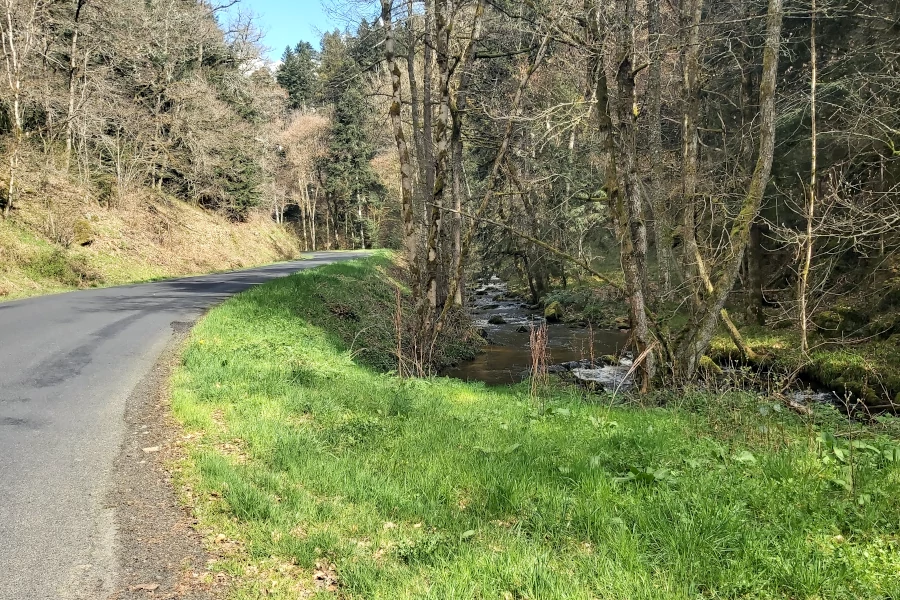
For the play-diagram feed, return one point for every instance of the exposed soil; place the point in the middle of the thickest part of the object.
(160, 553)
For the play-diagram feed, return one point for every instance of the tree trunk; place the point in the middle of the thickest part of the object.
(406, 181)
(658, 204)
(621, 180)
(457, 110)
(701, 327)
(692, 261)
(634, 257)
(811, 204)
(443, 14)
(73, 72)
(304, 216)
(754, 274)
(418, 132)
(362, 228)
(313, 204)
(328, 226)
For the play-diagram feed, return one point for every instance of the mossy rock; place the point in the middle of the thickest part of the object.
(83, 233)
(623, 323)
(708, 366)
(842, 320)
(554, 312)
(497, 320)
(884, 326)
(827, 320)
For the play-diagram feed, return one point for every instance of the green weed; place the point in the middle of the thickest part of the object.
(61, 267)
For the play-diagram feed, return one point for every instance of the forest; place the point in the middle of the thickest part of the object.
(626, 323)
(712, 167)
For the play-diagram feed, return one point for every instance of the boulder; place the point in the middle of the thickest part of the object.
(554, 312)
(623, 323)
(497, 320)
(522, 329)
(842, 320)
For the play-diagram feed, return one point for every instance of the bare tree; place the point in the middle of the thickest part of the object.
(18, 30)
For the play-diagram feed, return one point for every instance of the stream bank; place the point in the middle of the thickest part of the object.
(578, 353)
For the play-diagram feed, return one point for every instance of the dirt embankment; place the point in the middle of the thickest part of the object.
(62, 236)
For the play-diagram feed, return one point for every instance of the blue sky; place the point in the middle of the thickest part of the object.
(286, 22)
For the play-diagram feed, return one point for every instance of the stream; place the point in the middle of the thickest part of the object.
(505, 322)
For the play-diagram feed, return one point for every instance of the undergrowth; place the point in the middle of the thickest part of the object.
(864, 367)
(314, 474)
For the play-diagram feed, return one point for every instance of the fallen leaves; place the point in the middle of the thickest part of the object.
(325, 576)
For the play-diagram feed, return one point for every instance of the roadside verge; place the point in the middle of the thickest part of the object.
(313, 473)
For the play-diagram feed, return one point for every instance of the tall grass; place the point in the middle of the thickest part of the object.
(315, 475)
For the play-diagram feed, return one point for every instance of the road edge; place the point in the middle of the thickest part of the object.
(157, 548)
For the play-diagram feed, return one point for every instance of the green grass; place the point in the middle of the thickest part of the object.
(312, 472)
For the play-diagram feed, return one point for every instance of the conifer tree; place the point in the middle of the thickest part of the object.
(297, 75)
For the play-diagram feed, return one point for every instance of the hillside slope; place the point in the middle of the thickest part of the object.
(72, 243)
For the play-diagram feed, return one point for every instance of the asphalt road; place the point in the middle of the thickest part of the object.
(67, 365)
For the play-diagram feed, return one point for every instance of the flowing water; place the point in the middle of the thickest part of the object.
(508, 357)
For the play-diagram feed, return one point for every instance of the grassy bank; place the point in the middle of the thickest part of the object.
(314, 475)
(867, 372)
(859, 364)
(79, 245)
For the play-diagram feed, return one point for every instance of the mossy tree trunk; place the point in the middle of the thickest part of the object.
(696, 336)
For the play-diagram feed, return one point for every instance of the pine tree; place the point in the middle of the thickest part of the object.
(349, 178)
(297, 75)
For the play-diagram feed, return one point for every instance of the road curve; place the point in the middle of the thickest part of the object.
(67, 365)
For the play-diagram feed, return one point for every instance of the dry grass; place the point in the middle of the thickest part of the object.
(62, 237)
